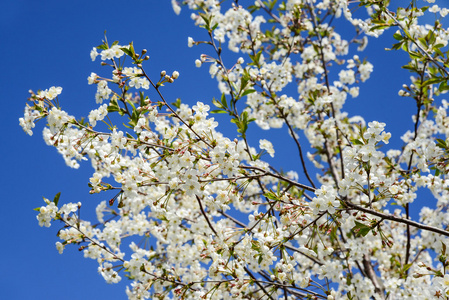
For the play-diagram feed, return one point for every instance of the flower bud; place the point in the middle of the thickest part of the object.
(190, 42)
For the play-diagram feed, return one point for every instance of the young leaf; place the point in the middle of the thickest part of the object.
(56, 198)
(360, 229)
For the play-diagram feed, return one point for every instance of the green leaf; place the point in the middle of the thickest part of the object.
(443, 86)
(127, 52)
(423, 41)
(379, 27)
(216, 103)
(272, 196)
(218, 111)
(406, 267)
(142, 99)
(398, 36)
(272, 4)
(415, 55)
(56, 198)
(438, 51)
(397, 46)
(360, 229)
(357, 142)
(122, 112)
(430, 37)
(410, 68)
(243, 83)
(247, 92)
(134, 119)
(433, 81)
(441, 143)
(177, 103)
(223, 101)
(113, 108)
(333, 233)
(255, 59)
(255, 246)
(102, 47)
(206, 20)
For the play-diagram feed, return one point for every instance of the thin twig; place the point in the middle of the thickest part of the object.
(397, 219)
(305, 187)
(205, 216)
(264, 7)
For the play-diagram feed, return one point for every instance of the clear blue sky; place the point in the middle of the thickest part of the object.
(46, 43)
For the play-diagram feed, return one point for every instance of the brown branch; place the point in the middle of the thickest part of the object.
(257, 282)
(397, 219)
(369, 271)
(308, 188)
(326, 78)
(294, 287)
(264, 7)
(205, 216)
(298, 145)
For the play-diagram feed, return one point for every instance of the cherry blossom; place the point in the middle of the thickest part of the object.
(194, 214)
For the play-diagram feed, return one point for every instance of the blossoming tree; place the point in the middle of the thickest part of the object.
(338, 227)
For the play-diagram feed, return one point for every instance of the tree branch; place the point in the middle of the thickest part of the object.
(397, 219)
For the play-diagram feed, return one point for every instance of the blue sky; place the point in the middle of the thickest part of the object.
(47, 43)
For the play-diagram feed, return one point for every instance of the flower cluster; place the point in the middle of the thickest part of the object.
(215, 220)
